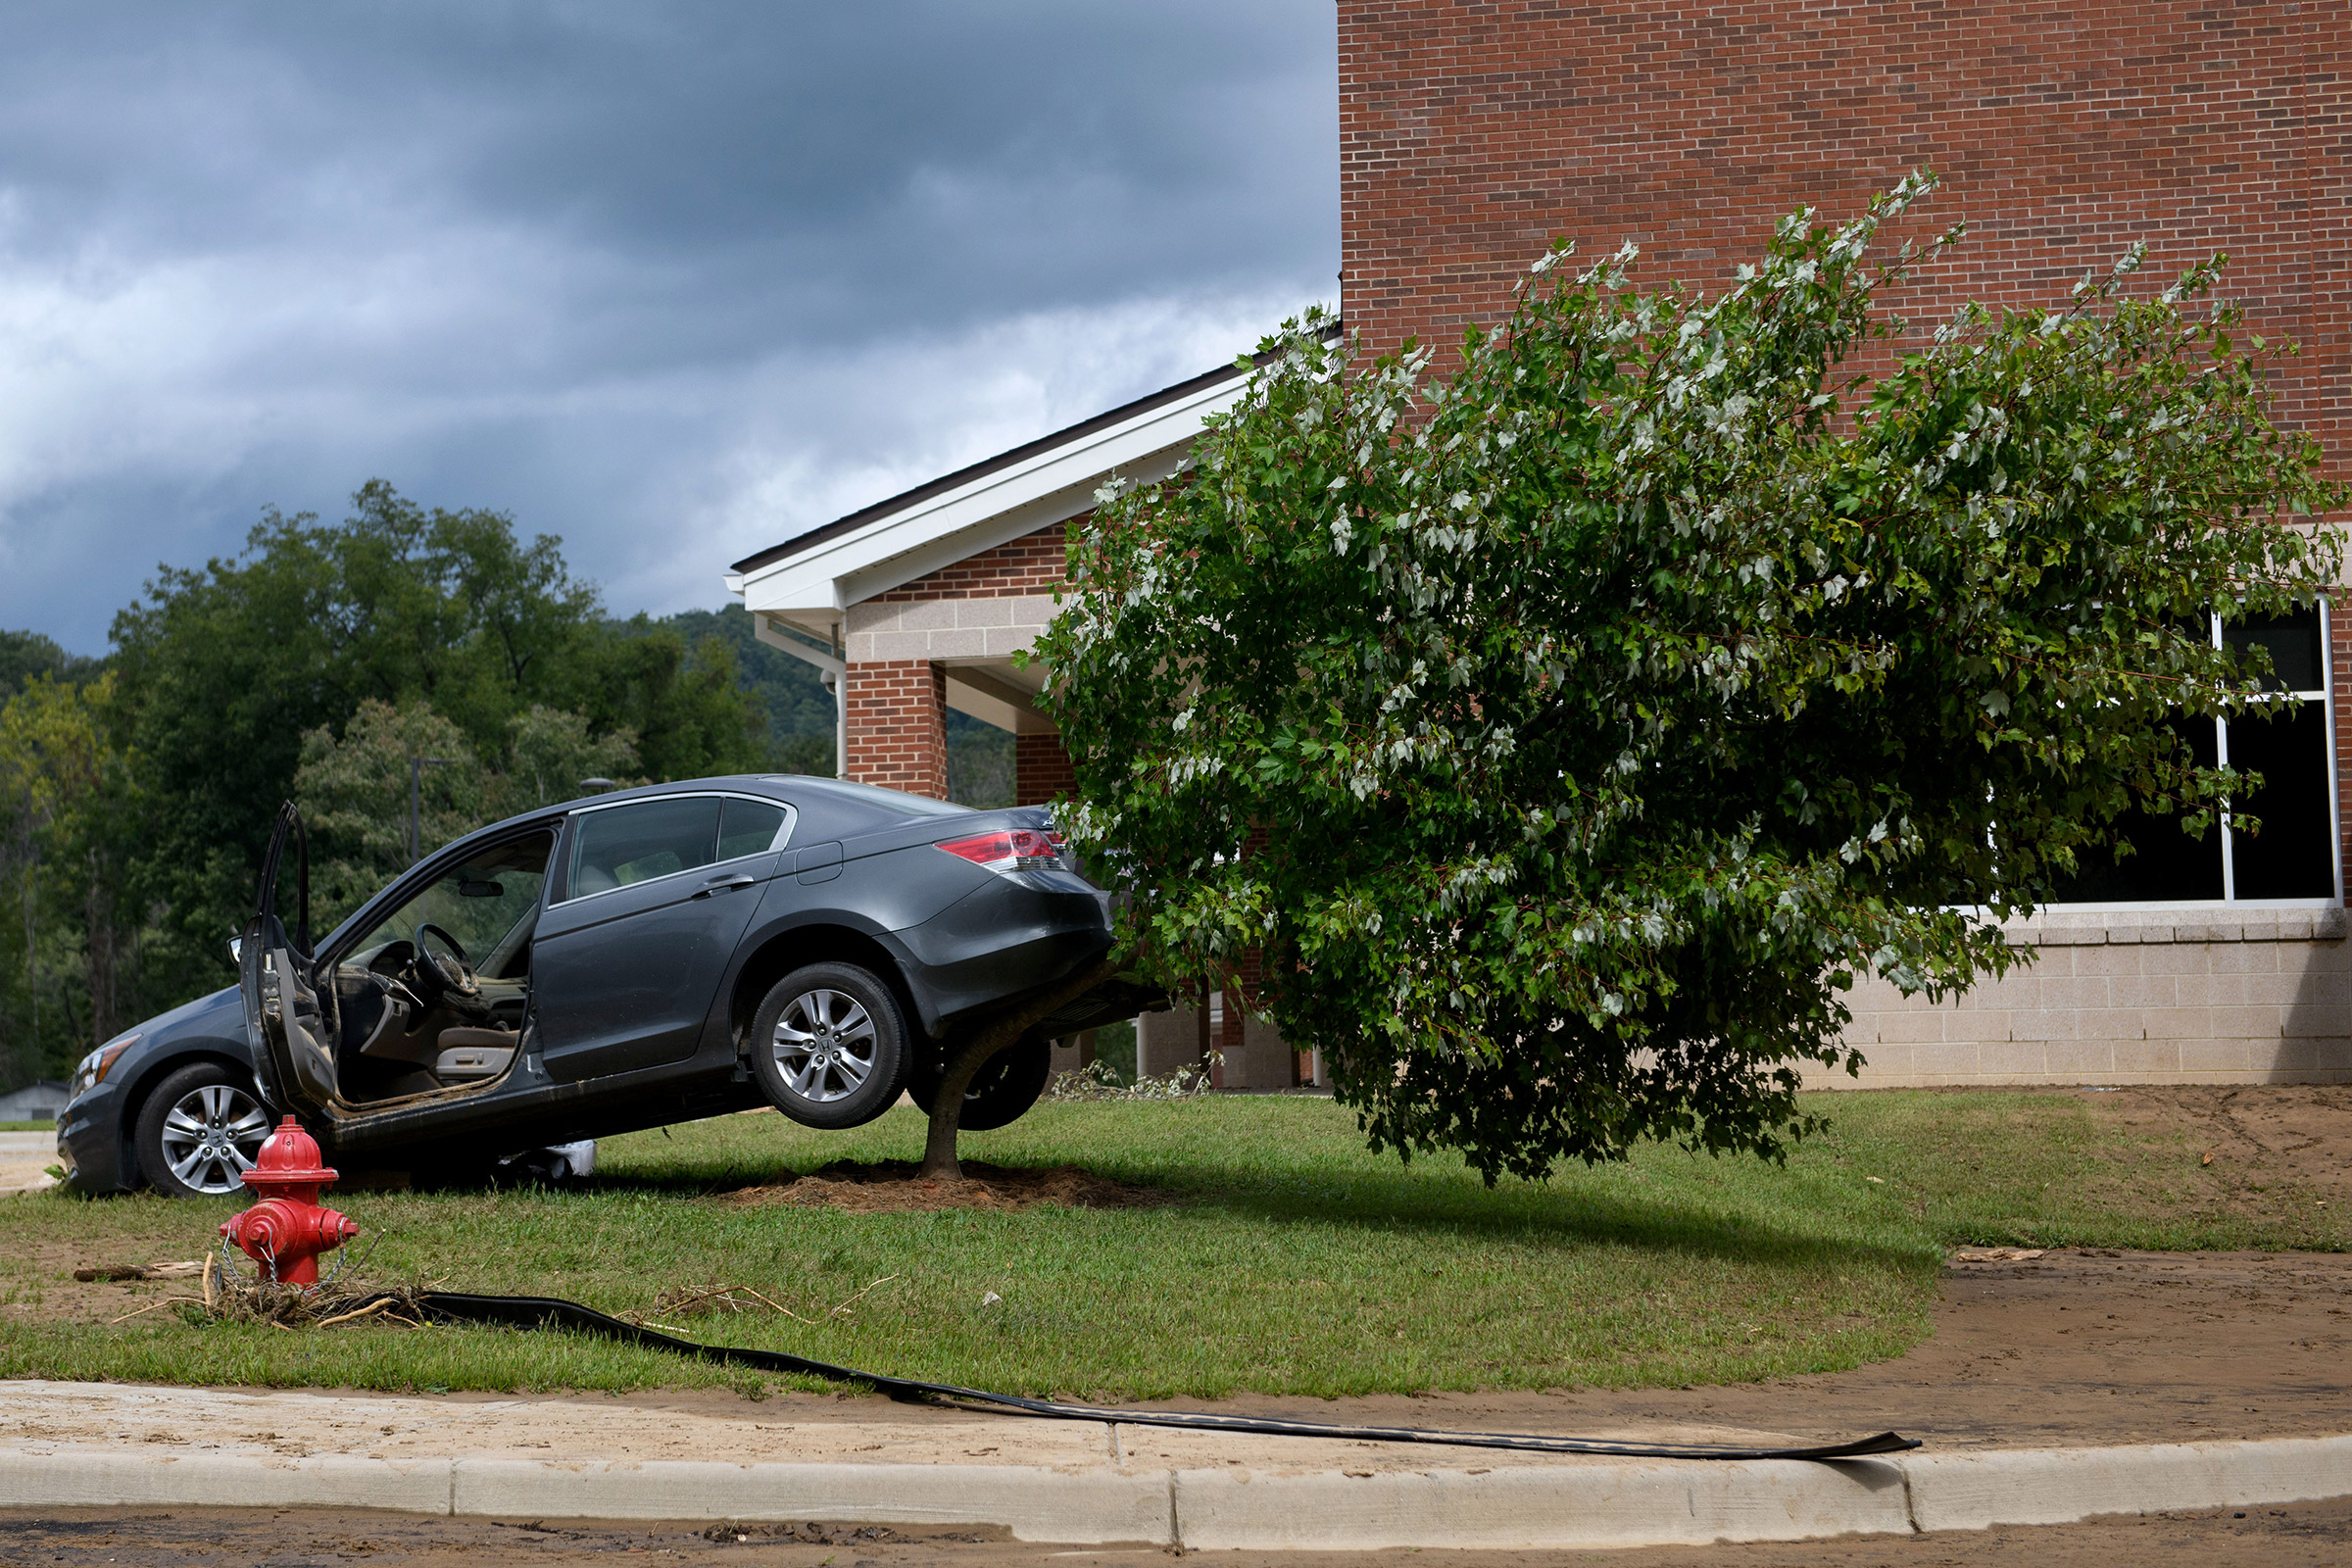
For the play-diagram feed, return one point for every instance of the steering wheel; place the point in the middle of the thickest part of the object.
(450, 968)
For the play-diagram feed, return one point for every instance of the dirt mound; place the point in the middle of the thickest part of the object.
(893, 1187)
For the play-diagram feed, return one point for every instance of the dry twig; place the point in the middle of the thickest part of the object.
(149, 1307)
(843, 1309)
(379, 1304)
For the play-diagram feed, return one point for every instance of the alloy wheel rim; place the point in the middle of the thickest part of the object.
(211, 1136)
(824, 1045)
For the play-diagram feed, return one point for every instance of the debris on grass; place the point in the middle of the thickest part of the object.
(1099, 1080)
(681, 1301)
(139, 1271)
(897, 1187)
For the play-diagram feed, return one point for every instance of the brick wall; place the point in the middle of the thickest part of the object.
(897, 726)
(1029, 565)
(1473, 132)
(1041, 769)
(987, 606)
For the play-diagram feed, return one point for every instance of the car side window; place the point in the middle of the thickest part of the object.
(481, 903)
(629, 844)
(748, 827)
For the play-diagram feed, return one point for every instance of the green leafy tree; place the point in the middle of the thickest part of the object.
(24, 654)
(551, 754)
(1569, 734)
(225, 668)
(355, 789)
(787, 691)
(691, 716)
(68, 805)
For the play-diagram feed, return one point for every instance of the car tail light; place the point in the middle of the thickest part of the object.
(1018, 848)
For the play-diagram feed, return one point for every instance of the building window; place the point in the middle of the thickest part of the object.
(2295, 854)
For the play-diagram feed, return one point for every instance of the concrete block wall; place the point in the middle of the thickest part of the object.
(1257, 1057)
(1169, 1040)
(987, 627)
(987, 607)
(2140, 998)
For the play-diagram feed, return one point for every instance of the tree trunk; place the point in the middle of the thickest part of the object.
(995, 1038)
(98, 964)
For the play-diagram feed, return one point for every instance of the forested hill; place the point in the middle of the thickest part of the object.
(137, 790)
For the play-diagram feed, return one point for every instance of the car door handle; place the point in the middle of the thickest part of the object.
(724, 884)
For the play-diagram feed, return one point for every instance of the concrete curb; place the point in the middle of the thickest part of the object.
(1572, 1504)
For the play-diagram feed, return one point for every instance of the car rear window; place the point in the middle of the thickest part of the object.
(627, 844)
(748, 827)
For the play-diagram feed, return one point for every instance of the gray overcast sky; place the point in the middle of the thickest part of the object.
(672, 280)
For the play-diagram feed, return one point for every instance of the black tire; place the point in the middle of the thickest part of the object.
(1004, 1091)
(828, 1047)
(199, 1131)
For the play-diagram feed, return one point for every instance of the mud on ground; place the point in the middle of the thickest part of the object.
(2261, 1136)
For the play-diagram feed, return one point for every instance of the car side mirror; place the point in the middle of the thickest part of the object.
(237, 950)
(471, 889)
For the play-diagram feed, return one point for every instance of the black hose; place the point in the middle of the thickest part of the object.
(541, 1313)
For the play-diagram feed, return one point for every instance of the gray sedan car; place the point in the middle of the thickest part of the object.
(621, 962)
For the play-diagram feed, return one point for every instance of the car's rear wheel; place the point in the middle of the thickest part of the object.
(200, 1131)
(1003, 1091)
(828, 1046)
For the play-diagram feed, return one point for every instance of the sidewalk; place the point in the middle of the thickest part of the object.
(2055, 1389)
(25, 1159)
(1073, 1483)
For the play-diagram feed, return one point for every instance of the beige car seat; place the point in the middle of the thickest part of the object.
(469, 1054)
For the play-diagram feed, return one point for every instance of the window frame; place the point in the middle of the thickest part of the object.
(2325, 695)
(570, 847)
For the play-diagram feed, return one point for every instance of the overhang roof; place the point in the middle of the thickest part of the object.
(985, 466)
(810, 579)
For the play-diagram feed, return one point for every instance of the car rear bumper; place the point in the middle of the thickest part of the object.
(1001, 940)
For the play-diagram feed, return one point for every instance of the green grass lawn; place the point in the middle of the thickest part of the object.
(1294, 1261)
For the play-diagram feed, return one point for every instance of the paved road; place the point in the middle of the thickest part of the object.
(24, 1161)
(2302, 1536)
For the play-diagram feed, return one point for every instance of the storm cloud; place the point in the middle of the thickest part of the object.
(671, 281)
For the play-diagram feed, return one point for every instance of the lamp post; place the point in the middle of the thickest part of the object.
(417, 768)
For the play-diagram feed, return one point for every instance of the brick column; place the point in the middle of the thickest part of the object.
(897, 726)
(1041, 769)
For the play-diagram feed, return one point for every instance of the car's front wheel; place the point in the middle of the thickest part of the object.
(200, 1131)
(828, 1046)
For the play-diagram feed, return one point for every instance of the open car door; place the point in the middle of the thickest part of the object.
(283, 1022)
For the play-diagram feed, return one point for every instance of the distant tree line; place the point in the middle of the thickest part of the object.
(137, 790)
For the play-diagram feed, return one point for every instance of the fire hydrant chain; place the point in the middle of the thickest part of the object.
(287, 1229)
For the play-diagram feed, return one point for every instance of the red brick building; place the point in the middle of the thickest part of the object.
(1473, 132)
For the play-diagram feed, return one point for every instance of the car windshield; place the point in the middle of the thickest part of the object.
(483, 903)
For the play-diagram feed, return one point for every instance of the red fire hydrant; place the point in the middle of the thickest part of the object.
(287, 1230)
